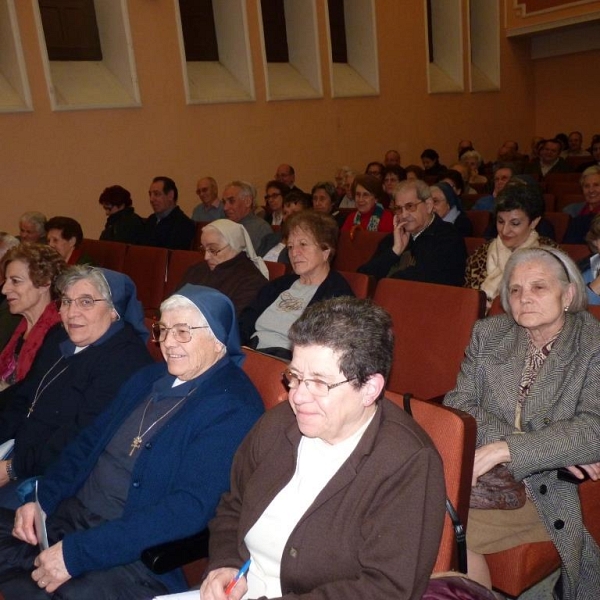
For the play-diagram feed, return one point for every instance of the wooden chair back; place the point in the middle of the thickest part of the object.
(179, 262)
(108, 255)
(355, 248)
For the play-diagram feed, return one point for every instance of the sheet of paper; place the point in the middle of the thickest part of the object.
(6, 449)
(192, 595)
(40, 522)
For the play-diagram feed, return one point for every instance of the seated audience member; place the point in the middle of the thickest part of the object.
(519, 208)
(503, 172)
(530, 379)
(590, 267)
(448, 206)
(464, 146)
(422, 247)
(122, 222)
(32, 227)
(274, 197)
(473, 161)
(431, 162)
(149, 470)
(168, 226)
(29, 274)
(370, 215)
(549, 160)
(65, 236)
(347, 200)
(8, 321)
(575, 145)
(563, 138)
(210, 207)
(286, 174)
(311, 244)
(454, 179)
(583, 213)
(375, 169)
(464, 172)
(391, 158)
(77, 371)
(325, 200)
(392, 176)
(340, 443)
(339, 180)
(596, 158)
(414, 172)
(230, 266)
(239, 199)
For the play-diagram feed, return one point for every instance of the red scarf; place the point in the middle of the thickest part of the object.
(30, 346)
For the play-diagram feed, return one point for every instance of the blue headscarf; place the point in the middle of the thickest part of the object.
(219, 313)
(451, 196)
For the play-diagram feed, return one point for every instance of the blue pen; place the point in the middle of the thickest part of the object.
(239, 575)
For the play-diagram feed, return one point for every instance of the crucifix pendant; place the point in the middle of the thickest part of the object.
(135, 444)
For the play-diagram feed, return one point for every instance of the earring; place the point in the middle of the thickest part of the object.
(567, 308)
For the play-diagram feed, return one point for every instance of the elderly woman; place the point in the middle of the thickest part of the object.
(78, 370)
(325, 200)
(316, 484)
(230, 264)
(274, 196)
(150, 469)
(392, 176)
(583, 213)
(32, 227)
(448, 206)
(519, 208)
(472, 160)
(30, 272)
(65, 236)
(311, 247)
(122, 222)
(530, 379)
(370, 215)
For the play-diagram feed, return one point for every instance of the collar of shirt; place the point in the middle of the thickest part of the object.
(414, 236)
(164, 214)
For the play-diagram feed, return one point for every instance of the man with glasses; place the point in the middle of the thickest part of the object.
(239, 198)
(210, 207)
(422, 247)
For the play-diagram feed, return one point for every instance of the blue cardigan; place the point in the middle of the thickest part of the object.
(177, 479)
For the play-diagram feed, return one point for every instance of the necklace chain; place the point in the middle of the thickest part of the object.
(39, 391)
(136, 442)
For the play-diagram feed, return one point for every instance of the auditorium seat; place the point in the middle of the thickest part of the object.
(576, 251)
(356, 248)
(472, 243)
(566, 199)
(109, 255)
(276, 269)
(480, 220)
(362, 285)
(179, 262)
(433, 326)
(196, 243)
(560, 222)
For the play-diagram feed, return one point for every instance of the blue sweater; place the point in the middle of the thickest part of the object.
(177, 479)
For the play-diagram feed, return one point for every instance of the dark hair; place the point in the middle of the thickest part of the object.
(518, 195)
(371, 184)
(430, 154)
(168, 186)
(68, 228)
(375, 162)
(416, 169)
(321, 226)
(115, 195)
(455, 177)
(297, 197)
(329, 188)
(44, 263)
(358, 331)
(282, 187)
(399, 171)
(562, 139)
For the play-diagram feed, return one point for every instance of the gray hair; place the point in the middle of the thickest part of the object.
(420, 187)
(470, 154)
(562, 266)
(7, 242)
(35, 218)
(593, 170)
(94, 275)
(247, 190)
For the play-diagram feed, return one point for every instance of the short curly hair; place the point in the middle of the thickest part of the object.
(45, 264)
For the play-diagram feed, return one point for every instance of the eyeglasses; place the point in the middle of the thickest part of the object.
(314, 386)
(182, 332)
(213, 251)
(409, 207)
(107, 206)
(272, 196)
(83, 302)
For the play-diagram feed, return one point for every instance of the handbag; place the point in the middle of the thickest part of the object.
(498, 489)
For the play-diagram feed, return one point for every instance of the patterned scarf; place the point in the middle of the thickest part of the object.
(374, 219)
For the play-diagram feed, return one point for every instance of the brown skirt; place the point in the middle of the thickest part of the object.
(490, 531)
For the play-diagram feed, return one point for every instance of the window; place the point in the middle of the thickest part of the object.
(484, 35)
(337, 31)
(273, 19)
(198, 28)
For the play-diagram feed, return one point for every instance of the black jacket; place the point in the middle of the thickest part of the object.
(176, 231)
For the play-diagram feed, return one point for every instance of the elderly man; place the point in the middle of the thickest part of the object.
(32, 227)
(422, 247)
(287, 175)
(502, 174)
(575, 145)
(210, 207)
(392, 157)
(549, 160)
(239, 200)
(584, 212)
(168, 226)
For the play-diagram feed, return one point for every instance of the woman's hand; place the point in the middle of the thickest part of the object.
(24, 528)
(593, 470)
(215, 583)
(4, 479)
(487, 457)
(51, 571)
